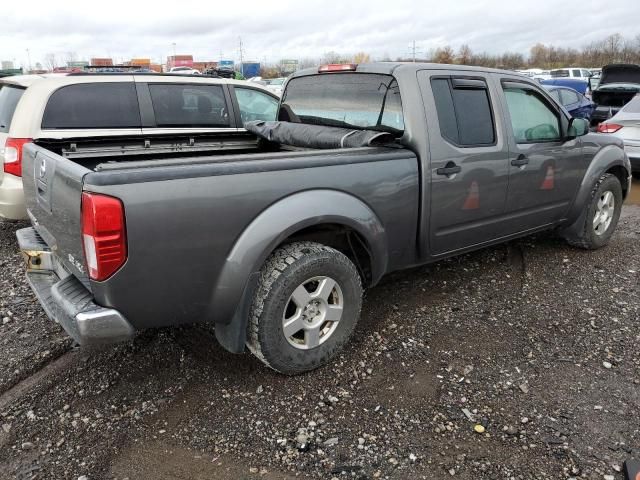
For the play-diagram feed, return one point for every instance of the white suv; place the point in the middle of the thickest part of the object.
(58, 107)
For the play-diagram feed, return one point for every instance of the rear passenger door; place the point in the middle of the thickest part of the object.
(468, 160)
(183, 107)
(543, 165)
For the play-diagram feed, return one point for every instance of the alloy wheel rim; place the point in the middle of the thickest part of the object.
(604, 213)
(312, 312)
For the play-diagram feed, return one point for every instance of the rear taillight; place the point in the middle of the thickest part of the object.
(608, 127)
(103, 235)
(13, 155)
(338, 67)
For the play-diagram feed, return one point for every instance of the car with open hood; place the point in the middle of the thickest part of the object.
(619, 83)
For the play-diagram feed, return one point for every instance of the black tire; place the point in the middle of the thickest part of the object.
(588, 238)
(284, 271)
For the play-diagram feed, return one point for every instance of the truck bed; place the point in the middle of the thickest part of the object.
(185, 213)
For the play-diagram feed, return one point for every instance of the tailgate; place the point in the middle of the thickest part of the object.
(53, 194)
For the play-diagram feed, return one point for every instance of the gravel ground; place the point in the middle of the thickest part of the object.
(532, 343)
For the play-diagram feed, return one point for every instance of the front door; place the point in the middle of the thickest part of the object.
(468, 160)
(543, 164)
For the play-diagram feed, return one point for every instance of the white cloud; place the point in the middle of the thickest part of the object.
(303, 28)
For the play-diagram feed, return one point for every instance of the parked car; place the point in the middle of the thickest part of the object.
(577, 84)
(275, 85)
(155, 113)
(575, 103)
(273, 246)
(543, 75)
(571, 72)
(185, 71)
(618, 84)
(626, 125)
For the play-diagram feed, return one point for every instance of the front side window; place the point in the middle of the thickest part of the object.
(93, 105)
(256, 105)
(568, 97)
(189, 106)
(351, 100)
(532, 119)
(464, 113)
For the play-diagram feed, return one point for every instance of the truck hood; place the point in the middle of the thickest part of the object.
(620, 73)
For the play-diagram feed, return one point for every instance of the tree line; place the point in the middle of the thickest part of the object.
(613, 49)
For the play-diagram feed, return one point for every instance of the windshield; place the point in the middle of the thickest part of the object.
(9, 97)
(352, 100)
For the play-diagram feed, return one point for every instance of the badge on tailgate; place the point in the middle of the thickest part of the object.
(43, 174)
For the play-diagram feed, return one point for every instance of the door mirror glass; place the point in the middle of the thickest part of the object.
(577, 127)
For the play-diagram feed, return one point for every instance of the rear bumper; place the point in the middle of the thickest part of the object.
(12, 205)
(66, 300)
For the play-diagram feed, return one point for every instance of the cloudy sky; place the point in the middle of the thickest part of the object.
(275, 29)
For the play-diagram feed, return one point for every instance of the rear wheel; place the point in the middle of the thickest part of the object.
(602, 215)
(305, 308)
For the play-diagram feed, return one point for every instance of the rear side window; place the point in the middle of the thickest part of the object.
(562, 73)
(568, 96)
(555, 94)
(9, 97)
(184, 105)
(93, 105)
(464, 111)
(255, 105)
(576, 72)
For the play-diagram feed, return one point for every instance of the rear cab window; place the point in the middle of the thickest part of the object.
(92, 106)
(180, 105)
(367, 101)
(9, 97)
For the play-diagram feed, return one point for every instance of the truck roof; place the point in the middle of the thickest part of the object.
(389, 68)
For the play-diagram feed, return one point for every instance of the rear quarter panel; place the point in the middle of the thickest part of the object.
(183, 221)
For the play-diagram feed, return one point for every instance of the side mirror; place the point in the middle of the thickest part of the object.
(577, 128)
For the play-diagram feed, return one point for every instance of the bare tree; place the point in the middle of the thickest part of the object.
(464, 55)
(50, 61)
(361, 57)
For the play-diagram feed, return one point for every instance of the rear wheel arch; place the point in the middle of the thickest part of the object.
(314, 215)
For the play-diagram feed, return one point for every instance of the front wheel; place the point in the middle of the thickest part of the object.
(305, 308)
(603, 213)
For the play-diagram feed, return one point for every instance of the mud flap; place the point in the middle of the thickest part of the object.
(233, 335)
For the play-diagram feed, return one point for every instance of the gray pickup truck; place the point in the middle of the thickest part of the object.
(273, 243)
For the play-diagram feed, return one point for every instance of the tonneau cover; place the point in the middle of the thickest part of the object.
(317, 136)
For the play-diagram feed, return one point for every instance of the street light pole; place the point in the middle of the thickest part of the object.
(29, 60)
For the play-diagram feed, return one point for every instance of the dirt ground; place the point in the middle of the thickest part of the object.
(535, 341)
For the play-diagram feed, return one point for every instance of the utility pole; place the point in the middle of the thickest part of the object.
(241, 54)
(29, 60)
(174, 50)
(413, 50)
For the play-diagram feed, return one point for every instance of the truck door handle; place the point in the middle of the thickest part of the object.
(449, 169)
(521, 161)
